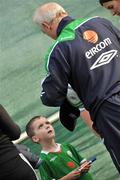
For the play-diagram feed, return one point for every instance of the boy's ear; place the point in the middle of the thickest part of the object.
(35, 139)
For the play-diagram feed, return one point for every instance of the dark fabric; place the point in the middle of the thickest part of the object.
(7, 150)
(17, 169)
(33, 159)
(108, 126)
(7, 125)
(103, 1)
(11, 165)
(69, 115)
(63, 23)
(8, 131)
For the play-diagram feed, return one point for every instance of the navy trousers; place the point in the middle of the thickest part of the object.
(108, 125)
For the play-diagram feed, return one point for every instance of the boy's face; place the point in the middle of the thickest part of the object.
(113, 6)
(43, 130)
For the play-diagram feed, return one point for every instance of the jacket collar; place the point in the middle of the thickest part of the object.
(66, 20)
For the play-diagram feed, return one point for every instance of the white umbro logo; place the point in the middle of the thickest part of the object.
(69, 153)
(104, 58)
(53, 158)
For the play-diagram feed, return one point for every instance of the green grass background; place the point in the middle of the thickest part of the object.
(22, 49)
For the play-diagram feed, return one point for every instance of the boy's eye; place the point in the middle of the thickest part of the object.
(40, 126)
(110, 7)
(48, 123)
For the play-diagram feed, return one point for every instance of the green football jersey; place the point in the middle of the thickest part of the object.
(58, 164)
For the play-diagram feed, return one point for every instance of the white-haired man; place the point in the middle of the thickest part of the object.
(86, 55)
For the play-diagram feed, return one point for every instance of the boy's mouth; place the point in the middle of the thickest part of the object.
(50, 131)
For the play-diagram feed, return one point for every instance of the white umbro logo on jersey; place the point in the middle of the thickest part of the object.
(104, 58)
(52, 159)
(69, 153)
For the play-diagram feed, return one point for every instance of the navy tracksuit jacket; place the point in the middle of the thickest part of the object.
(86, 55)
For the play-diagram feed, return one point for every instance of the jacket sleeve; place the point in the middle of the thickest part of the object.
(31, 157)
(112, 28)
(8, 126)
(54, 87)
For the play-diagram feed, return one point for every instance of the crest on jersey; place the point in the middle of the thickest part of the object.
(90, 36)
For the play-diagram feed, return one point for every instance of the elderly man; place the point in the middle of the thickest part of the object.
(112, 5)
(86, 55)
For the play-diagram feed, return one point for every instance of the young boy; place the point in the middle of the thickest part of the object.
(60, 161)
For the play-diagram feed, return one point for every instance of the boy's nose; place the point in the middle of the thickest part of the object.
(113, 12)
(47, 126)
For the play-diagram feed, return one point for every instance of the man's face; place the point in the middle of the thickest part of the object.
(113, 6)
(43, 130)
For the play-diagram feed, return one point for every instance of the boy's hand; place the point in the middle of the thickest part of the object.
(72, 175)
(84, 167)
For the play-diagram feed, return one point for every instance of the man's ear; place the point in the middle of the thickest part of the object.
(45, 25)
(35, 139)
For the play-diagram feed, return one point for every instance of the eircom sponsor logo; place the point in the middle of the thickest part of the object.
(102, 45)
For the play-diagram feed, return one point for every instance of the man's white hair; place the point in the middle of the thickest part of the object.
(47, 12)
